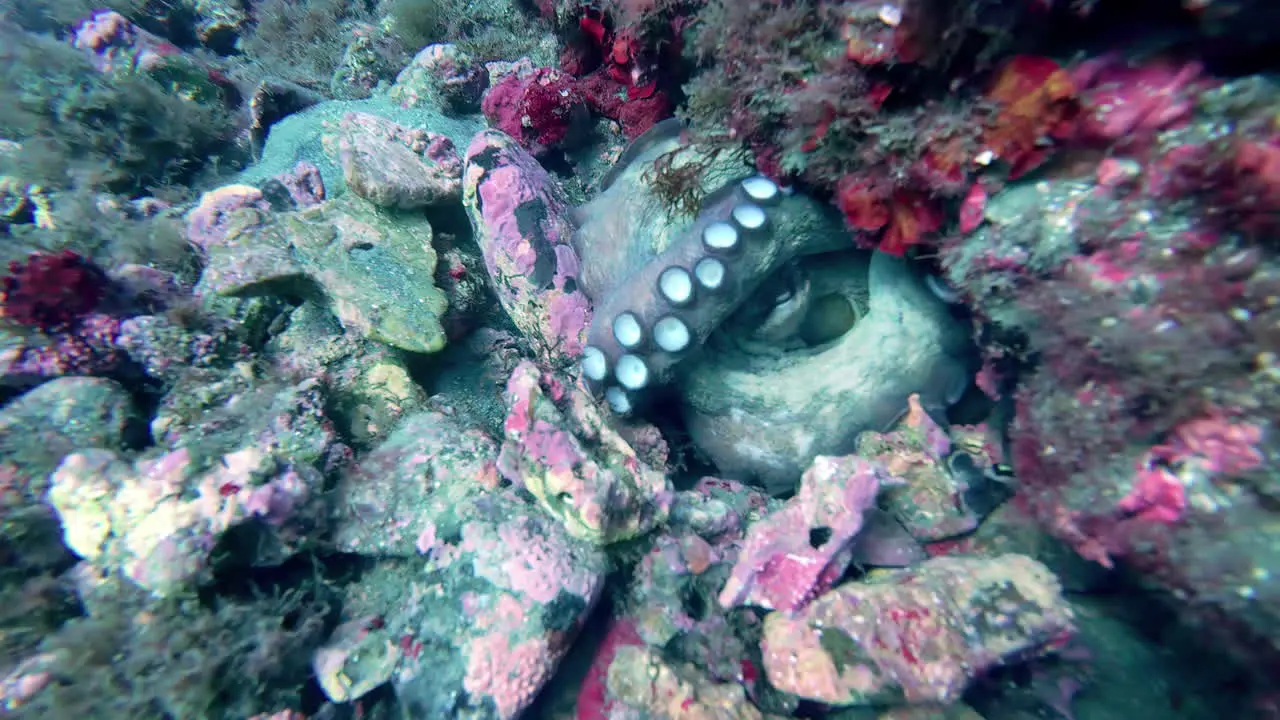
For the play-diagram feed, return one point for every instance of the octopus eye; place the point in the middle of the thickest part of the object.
(720, 236)
(631, 372)
(594, 364)
(676, 285)
(627, 330)
(671, 334)
(710, 273)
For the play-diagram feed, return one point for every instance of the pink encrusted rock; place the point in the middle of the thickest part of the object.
(930, 502)
(390, 503)
(540, 583)
(801, 550)
(510, 674)
(156, 521)
(521, 221)
(393, 166)
(304, 183)
(559, 446)
(919, 636)
(209, 222)
(115, 44)
(501, 588)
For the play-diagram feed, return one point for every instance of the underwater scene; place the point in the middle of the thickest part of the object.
(639, 359)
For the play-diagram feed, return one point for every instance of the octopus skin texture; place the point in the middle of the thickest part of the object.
(847, 340)
(729, 303)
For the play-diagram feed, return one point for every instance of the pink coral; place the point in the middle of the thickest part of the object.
(510, 675)
(1129, 102)
(1157, 496)
(1222, 445)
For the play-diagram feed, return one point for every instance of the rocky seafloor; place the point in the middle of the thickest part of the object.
(639, 359)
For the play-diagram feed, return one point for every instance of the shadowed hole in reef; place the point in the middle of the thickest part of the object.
(695, 606)
(819, 536)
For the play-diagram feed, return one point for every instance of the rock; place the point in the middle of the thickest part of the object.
(920, 635)
(520, 217)
(390, 504)
(309, 135)
(642, 680)
(370, 390)
(559, 445)
(498, 589)
(364, 65)
(358, 657)
(930, 503)
(65, 414)
(393, 166)
(444, 75)
(375, 271)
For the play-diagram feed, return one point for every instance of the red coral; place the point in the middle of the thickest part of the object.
(904, 216)
(944, 166)
(594, 702)
(873, 35)
(864, 205)
(973, 207)
(538, 110)
(616, 73)
(1255, 194)
(52, 291)
(635, 109)
(1037, 99)
(1223, 445)
(913, 216)
(1238, 178)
